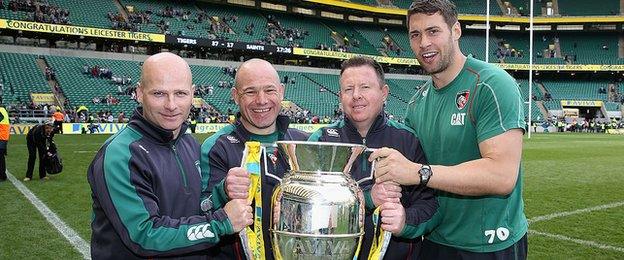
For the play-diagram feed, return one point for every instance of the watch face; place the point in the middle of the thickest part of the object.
(425, 172)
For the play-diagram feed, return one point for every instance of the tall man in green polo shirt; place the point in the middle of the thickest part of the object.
(470, 121)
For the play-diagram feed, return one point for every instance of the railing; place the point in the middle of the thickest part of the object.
(29, 113)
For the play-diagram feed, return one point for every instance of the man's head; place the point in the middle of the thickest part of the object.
(258, 93)
(48, 127)
(363, 91)
(434, 33)
(165, 91)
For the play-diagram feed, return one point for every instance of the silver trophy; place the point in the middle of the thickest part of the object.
(318, 210)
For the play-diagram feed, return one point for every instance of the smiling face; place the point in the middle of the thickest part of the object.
(362, 96)
(259, 95)
(166, 91)
(433, 42)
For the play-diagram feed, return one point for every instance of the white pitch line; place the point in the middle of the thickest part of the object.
(574, 212)
(74, 239)
(578, 241)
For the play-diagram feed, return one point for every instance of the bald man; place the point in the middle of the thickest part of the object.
(258, 94)
(145, 180)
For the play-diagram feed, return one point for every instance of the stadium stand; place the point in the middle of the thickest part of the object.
(82, 89)
(597, 48)
(300, 32)
(218, 80)
(21, 76)
(399, 36)
(603, 7)
(165, 17)
(315, 92)
(88, 13)
(522, 7)
(249, 27)
(575, 89)
(357, 42)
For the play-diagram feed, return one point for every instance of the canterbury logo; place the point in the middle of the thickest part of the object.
(199, 232)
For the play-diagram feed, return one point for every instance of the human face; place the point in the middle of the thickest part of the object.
(433, 42)
(362, 96)
(166, 99)
(48, 129)
(259, 95)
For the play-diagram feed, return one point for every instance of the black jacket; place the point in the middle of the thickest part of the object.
(419, 202)
(37, 136)
(223, 151)
(146, 190)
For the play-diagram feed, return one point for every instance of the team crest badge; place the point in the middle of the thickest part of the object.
(462, 99)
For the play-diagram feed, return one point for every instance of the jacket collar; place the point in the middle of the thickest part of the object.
(157, 133)
(378, 125)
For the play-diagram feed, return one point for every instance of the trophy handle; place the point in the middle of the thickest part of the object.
(372, 172)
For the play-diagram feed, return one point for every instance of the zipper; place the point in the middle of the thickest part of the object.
(182, 172)
(364, 159)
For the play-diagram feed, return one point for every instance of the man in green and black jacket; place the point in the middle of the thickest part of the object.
(145, 180)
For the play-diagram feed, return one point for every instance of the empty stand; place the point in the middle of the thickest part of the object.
(602, 7)
(21, 76)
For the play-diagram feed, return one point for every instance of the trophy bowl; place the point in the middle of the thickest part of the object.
(318, 209)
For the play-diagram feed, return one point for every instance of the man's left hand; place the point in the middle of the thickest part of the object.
(392, 217)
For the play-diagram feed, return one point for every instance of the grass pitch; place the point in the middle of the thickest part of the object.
(564, 174)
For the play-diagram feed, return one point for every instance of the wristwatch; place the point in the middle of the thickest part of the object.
(425, 173)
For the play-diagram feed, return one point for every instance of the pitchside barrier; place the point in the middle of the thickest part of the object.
(111, 128)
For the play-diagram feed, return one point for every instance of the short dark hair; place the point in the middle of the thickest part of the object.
(359, 61)
(447, 9)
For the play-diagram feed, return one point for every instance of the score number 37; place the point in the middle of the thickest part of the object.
(501, 233)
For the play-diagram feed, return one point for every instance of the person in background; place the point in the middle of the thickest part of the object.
(38, 140)
(5, 129)
(58, 121)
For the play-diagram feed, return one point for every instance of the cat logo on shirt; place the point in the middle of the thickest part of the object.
(458, 118)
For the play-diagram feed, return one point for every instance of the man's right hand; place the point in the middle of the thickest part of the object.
(237, 183)
(385, 192)
(239, 212)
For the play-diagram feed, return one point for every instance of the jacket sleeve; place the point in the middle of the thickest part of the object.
(422, 206)
(121, 182)
(214, 168)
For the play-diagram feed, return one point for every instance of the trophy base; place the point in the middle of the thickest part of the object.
(287, 246)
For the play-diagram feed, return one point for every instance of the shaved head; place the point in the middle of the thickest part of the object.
(258, 93)
(165, 91)
(163, 66)
(253, 68)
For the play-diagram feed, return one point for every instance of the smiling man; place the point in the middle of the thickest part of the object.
(258, 93)
(363, 91)
(470, 120)
(145, 180)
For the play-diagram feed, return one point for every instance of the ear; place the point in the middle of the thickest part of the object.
(385, 90)
(282, 90)
(234, 95)
(139, 93)
(457, 31)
